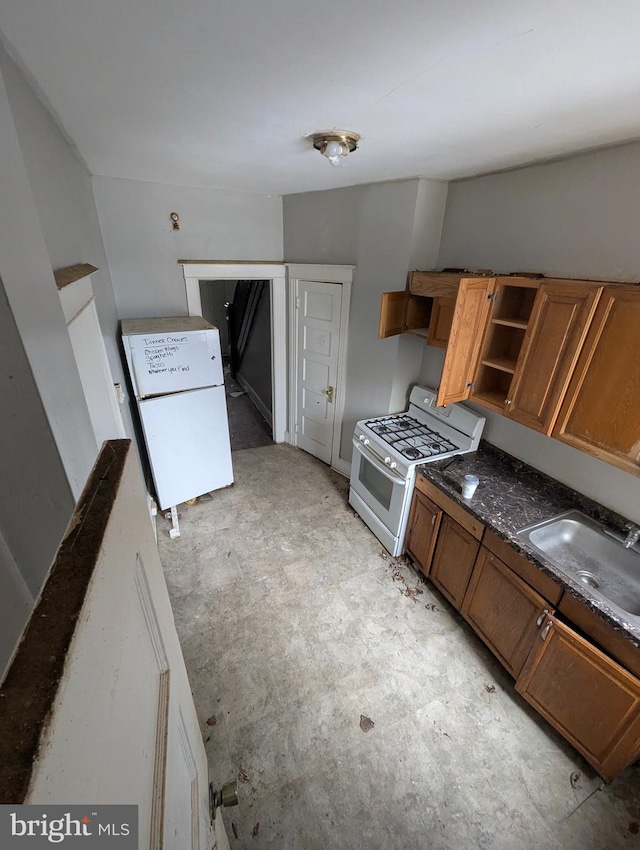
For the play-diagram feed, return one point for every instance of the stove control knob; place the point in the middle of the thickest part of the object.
(363, 440)
(390, 463)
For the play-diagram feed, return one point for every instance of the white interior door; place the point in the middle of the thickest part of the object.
(319, 308)
(121, 725)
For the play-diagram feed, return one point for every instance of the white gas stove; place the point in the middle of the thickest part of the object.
(387, 450)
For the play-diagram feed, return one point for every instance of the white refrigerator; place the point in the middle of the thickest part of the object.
(175, 366)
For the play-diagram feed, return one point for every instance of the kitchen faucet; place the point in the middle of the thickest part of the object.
(633, 535)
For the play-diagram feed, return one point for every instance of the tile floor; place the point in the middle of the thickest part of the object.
(295, 624)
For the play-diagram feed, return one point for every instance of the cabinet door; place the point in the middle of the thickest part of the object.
(503, 610)
(555, 333)
(422, 530)
(467, 330)
(441, 321)
(455, 553)
(401, 312)
(599, 414)
(392, 314)
(585, 695)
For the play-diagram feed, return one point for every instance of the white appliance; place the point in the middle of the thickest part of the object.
(387, 451)
(175, 366)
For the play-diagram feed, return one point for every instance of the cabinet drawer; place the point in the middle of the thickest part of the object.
(534, 577)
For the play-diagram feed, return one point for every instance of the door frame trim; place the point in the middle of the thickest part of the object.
(318, 273)
(276, 274)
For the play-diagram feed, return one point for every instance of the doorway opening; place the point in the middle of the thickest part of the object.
(196, 273)
(241, 310)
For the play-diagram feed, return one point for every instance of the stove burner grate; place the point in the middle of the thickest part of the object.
(410, 438)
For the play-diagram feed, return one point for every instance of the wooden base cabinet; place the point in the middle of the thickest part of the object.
(453, 560)
(422, 530)
(590, 699)
(504, 611)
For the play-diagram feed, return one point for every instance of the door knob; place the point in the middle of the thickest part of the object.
(329, 393)
(225, 797)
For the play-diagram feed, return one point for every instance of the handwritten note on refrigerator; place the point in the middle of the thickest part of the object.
(167, 355)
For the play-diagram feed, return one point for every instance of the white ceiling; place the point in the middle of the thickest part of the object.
(220, 93)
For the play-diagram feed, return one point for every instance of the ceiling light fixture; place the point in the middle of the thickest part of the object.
(335, 144)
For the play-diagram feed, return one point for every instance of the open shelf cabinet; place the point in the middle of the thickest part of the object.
(503, 341)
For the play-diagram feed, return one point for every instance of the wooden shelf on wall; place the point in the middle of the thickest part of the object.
(63, 277)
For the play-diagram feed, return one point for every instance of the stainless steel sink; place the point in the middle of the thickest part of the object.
(583, 550)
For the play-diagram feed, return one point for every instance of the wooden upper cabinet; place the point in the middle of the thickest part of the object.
(511, 306)
(402, 313)
(424, 309)
(555, 333)
(600, 412)
(587, 697)
(470, 314)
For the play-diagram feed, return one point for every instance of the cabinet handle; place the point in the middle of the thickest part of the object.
(507, 401)
(545, 631)
(433, 519)
(540, 619)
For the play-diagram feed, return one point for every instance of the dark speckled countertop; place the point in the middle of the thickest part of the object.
(512, 495)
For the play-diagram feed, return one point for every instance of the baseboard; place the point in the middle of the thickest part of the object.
(255, 398)
(342, 467)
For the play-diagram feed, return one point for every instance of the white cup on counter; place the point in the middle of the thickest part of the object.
(469, 486)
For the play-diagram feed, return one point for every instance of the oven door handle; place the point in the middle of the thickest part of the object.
(373, 458)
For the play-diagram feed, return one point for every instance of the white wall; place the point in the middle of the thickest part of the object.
(143, 250)
(383, 229)
(35, 498)
(573, 218)
(47, 220)
(27, 276)
(16, 604)
(63, 196)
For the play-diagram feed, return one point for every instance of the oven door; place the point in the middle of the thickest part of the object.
(383, 490)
